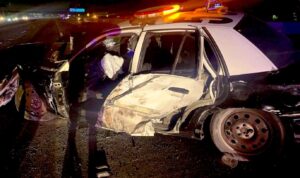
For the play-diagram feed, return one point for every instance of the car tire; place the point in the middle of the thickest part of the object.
(247, 134)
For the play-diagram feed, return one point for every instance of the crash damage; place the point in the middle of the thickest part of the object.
(149, 99)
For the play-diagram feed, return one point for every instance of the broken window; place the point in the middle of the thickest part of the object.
(86, 69)
(170, 53)
(122, 46)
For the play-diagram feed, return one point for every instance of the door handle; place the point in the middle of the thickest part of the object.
(179, 90)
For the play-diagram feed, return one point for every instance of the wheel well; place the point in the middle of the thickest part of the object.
(206, 125)
(201, 119)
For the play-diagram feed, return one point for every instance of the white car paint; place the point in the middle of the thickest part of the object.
(240, 55)
(146, 97)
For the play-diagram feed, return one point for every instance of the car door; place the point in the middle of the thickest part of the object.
(168, 73)
(167, 77)
(120, 42)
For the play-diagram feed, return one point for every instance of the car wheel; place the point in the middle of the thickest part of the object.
(246, 134)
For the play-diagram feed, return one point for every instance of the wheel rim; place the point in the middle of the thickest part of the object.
(246, 132)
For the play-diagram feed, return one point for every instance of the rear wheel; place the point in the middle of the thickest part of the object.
(246, 134)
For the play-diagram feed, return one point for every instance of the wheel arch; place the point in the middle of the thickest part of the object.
(201, 118)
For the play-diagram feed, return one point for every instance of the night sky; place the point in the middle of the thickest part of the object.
(47, 1)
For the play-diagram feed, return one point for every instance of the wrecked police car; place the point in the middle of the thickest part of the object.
(198, 74)
(221, 76)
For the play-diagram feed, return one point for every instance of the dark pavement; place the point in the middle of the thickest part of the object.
(48, 149)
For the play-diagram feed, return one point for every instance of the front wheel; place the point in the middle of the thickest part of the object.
(246, 134)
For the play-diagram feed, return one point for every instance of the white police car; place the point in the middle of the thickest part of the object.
(195, 70)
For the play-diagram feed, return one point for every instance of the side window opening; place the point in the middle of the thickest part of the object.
(121, 46)
(170, 53)
(211, 57)
(186, 64)
(86, 70)
(158, 55)
(88, 64)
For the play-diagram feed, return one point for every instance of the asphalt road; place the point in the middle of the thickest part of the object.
(50, 30)
(49, 149)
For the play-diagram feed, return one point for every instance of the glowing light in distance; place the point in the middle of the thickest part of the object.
(77, 9)
(95, 16)
(25, 18)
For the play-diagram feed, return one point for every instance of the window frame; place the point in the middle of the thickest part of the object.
(184, 32)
